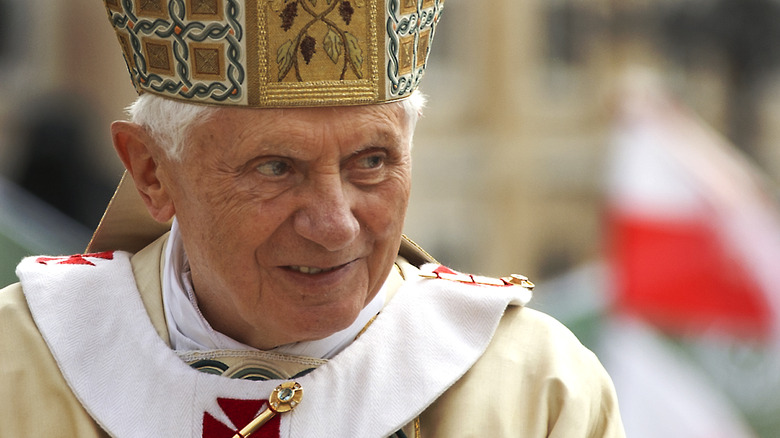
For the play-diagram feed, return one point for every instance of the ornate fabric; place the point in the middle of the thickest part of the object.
(552, 385)
(445, 326)
(276, 53)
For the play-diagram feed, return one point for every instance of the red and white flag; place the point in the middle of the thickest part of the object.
(694, 234)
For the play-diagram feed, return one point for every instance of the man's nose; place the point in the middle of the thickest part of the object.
(326, 215)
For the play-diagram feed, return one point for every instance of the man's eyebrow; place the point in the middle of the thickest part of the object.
(381, 140)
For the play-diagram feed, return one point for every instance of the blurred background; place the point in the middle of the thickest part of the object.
(622, 154)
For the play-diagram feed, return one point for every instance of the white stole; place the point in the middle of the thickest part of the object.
(90, 313)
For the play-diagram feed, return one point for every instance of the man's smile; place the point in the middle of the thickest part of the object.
(311, 270)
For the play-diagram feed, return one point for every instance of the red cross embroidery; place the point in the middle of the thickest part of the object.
(77, 259)
(241, 413)
(444, 270)
(446, 273)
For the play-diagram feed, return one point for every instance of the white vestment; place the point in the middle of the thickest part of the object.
(466, 359)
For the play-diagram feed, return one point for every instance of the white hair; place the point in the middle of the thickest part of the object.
(413, 106)
(168, 121)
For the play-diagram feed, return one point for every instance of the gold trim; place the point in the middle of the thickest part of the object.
(319, 93)
(380, 72)
(253, 55)
(365, 327)
(414, 253)
(399, 270)
(377, 74)
(262, 51)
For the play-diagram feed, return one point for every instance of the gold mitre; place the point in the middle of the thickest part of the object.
(276, 53)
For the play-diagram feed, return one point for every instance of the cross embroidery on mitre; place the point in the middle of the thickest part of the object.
(77, 259)
(240, 413)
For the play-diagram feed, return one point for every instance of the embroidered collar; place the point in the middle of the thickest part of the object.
(92, 318)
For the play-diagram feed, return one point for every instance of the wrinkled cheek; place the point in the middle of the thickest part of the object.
(389, 221)
(398, 215)
(393, 203)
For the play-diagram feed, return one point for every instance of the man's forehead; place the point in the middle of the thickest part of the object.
(314, 113)
(385, 120)
(296, 129)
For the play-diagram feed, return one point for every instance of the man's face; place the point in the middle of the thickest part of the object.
(292, 218)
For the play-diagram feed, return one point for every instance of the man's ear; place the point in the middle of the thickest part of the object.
(141, 158)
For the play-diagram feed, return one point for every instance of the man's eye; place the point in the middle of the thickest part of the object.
(274, 168)
(371, 161)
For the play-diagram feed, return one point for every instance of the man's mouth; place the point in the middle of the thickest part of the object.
(310, 270)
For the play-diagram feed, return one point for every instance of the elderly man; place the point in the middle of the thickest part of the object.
(250, 277)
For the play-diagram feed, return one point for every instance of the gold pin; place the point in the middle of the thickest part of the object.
(520, 280)
(283, 399)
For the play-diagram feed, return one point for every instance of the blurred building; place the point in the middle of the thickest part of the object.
(62, 82)
(509, 158)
